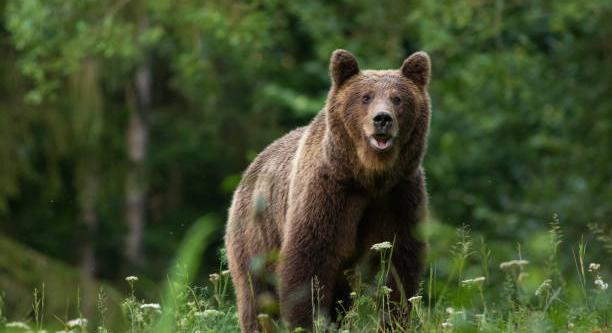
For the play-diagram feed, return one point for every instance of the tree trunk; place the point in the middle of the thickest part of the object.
(87, 123)
(88, 251)
(137, 136)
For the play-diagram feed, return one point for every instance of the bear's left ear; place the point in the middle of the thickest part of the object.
(342, 66)
(417, 68)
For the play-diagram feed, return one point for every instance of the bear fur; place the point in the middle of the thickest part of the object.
(323, 194)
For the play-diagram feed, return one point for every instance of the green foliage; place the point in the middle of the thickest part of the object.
(22, 292)
(522, 115)
(509, 301)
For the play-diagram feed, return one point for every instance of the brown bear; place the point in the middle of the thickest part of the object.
(323, 194)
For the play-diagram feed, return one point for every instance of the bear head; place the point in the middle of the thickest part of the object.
(384, 113)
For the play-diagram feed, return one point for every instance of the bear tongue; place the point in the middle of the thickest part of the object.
(381, 142)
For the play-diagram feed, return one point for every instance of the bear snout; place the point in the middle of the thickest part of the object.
(383, 121)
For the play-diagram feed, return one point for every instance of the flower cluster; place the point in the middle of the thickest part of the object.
(473, 282)
(151, 306)
(131, 279)
(18, 324)
(381, 246)
(386, 290)
(513, 264)
(452, 315)
(544, 287)
(209, 313)
(78, 322)
(214, 277)
(415, 299)
(598, 281)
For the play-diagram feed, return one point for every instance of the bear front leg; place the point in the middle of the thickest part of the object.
(320, 235)
(407, 266)
(408, 210)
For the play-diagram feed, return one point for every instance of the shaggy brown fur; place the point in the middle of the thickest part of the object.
(323, 194)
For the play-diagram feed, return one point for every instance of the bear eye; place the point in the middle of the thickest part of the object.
(366, 99)
(396, 100)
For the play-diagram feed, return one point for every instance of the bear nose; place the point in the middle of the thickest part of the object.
(382, 121)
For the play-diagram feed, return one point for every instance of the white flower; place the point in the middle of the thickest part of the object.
(78, 322)
(513, 263)
(353, 294)
(262, 316)
(214, 277)
(547, 284)
(225, 272)
(415, 299)
(450, 310)
(386, 290)
(381, 246)
(210, 313)
(600, 284)
(473, 282)
(446, 324)
(152, 306)
(594, 267)
(18, 324)
(131, 278)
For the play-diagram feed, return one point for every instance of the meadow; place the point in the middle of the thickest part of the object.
(467, 288)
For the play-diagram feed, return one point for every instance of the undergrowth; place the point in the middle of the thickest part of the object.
(468, 289)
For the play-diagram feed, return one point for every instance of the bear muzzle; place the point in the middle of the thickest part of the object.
(383, 124)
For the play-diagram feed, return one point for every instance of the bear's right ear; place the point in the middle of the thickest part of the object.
(342, 67)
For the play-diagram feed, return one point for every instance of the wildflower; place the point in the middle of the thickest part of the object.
(473, 282)
(353, 294)
(381, 246)
(262, 316)
(214, 277)
(225, 272)
(131, 278)
(78, 322)
(18, 324)
(546, 285)
(594, 267)
(600, 284)
(513, 263)
(446, 324)
(450, 310)
(211, 313)
(415, 299)
(386, 290)
(152, 306)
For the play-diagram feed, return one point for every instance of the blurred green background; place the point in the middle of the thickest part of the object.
(124, 121)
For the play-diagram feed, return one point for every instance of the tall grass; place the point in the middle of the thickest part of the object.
(469, 287)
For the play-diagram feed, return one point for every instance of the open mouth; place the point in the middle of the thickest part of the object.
(381, 142)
